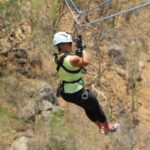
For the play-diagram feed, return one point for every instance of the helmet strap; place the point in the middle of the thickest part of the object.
(59, 49)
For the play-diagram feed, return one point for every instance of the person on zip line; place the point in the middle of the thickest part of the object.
(69, 65)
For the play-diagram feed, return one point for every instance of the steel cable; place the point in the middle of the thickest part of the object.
(86, 12)
(139, 6)
(117, 14)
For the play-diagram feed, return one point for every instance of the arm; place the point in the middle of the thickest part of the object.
(77, 61)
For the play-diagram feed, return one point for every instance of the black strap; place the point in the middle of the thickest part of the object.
(72, 81)
(60, 64)
(70, 71)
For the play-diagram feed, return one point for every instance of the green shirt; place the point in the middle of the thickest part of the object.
(69, 77)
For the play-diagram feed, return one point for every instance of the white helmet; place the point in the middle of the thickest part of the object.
(62, 37)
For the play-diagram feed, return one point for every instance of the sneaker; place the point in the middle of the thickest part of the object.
(110, 130)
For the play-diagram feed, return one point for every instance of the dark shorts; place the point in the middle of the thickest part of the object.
(86, 99)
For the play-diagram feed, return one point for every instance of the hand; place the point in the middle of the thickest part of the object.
(79, 52)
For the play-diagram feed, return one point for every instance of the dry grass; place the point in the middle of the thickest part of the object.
(16, 90)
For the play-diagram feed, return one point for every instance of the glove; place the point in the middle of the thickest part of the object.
(79, 52)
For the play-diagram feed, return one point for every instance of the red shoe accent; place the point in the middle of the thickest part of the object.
(106, 128)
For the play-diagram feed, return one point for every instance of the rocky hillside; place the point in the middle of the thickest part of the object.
(32, 118)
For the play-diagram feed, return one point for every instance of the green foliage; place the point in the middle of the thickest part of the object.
(10, 14)
(44, 22)
(116, 4)
(37, 4)
(55, 11)
(11, 89)
(55, 121)
(62, 142)
(8, 123)
(62, 137)
(4, 112)
(134, 57)
(8, 5)
(61, 145)
(4, 119)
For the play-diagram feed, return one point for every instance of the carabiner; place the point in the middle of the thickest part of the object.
(85, 94)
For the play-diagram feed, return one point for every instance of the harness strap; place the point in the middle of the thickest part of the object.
(60, 64)
(72, 81)
(70, 71)
(60, 87)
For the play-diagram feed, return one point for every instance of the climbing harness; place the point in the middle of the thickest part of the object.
(60, 88)
(59, 58)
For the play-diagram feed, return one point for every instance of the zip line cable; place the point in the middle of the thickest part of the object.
(75, 6)
(75, 18)
(86, 12)
(146, 4)
(81, 13)
(117, 14)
